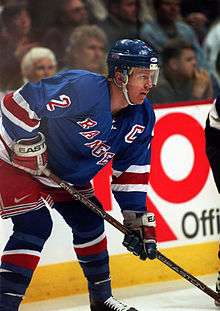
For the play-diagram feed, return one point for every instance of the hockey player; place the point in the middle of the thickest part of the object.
(212, 134)
(74, 123)
(218, 283)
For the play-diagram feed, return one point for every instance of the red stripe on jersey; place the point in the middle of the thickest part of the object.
(92, 250)
(131, 178)
(20, 113)
(5, 145)
(22, 260)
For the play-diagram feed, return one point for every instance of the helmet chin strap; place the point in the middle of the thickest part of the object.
(124, 87)
(125, 92)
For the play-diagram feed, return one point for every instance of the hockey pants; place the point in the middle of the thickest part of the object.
(30, 232)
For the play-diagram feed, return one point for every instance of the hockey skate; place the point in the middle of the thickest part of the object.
(217, 303)
(111, 304)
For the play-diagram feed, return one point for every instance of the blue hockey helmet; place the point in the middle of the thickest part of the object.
(127, 53)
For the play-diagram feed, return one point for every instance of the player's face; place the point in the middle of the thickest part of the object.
(42, 68)
(139, 84)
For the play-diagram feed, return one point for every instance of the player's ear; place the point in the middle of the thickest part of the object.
(119, 77)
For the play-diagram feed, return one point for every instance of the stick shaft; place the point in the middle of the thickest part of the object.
(172, 265)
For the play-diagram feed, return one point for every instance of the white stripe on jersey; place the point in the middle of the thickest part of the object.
(116, 173)
(93, 242)
(24, 104)
(129, 188)
(47, 181)
(22, 251)
(5, 270)
(4, 153)
(139, 169)
(17, 121)
(8, 141)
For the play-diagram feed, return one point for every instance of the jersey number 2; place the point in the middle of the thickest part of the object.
(64, 102)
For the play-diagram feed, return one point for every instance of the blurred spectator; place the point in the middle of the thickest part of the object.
(212, 44)
(199, 22)
(167, 25)
(180, 78)
(43, 15)
(87, 49)
(147, 12)
(15, 40)
(1, 6)
(70, 14)
(123, 20)
(37, 64)
(215, 75)
(4, 3)
(98, 9)
(200, 15)
(16, 22)
(209, 8)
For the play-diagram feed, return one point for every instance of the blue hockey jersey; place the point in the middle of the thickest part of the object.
(73, 110)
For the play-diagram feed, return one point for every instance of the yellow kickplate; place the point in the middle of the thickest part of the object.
(63, 279)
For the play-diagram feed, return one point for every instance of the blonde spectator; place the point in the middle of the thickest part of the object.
(87, 49)
(69, 15)
(37, 64)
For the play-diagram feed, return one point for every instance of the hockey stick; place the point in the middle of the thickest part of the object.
(92, 206)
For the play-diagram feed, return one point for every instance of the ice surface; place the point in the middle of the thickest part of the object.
(165, 296)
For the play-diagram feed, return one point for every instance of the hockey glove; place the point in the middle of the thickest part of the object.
(30, 154)
(142, 240)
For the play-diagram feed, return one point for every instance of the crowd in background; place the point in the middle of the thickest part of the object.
(40, 38)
